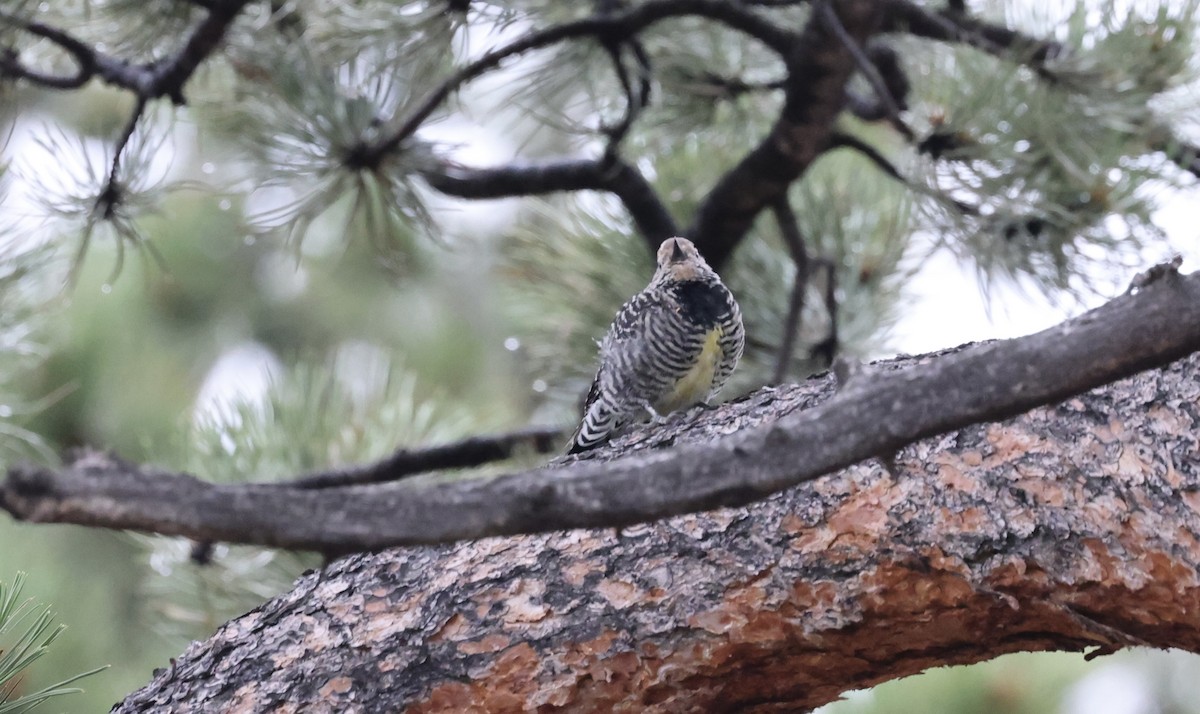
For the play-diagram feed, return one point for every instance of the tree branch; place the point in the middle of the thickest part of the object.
(789, 229)
(848, 141)
(608, 26)
(162, 78)
(818, 66)
(609, 173)
(875, 414)
(467, 453)
(828, 347)
(949, 25)
(866, 66)
(1068, 528)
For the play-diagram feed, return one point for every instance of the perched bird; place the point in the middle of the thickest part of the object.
(671, 346)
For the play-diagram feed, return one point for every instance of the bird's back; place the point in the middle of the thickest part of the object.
(670, 347)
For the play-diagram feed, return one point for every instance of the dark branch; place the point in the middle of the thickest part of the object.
(951, 26)
(876, 413)
(89, 62)
(112, 193)
(637, 90)
(610, 174)
(709, 84)
(608, 26)
(475, 451)
(789, 229)
(818, 66)
(828, 347)
(848, 141)
(887, 62)
(866, 66)
(167, 78)
(148, 81)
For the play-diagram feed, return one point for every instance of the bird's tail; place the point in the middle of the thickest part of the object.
(594, 429)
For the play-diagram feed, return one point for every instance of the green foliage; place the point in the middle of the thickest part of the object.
(26, 633)
(272, 226)
(1053, 162)
(871, 251)
(561, 294)
(21, 344)
(303, 124)
(355, 407)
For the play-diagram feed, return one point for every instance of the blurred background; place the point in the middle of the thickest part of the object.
(254, 311)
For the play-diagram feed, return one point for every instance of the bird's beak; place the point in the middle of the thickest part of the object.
(677, 254)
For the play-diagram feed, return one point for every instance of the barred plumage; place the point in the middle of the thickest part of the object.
(671, 346)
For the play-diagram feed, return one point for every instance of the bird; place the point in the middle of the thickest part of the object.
(671, 346)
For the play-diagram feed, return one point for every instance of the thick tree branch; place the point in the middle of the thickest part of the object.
(866, 66)
(819, 65)
(1067, 528)
(609, 173)
(874, 415)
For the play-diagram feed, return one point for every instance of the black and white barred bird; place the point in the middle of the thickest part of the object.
(673, 345)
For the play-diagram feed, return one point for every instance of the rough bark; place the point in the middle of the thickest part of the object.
(1068, 527)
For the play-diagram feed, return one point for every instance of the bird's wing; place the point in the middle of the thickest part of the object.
(623, 357)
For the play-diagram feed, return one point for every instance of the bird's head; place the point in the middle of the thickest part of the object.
(679, 260)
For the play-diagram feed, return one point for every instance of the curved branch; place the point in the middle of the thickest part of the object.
(89, 62)
(609, 173)
(147, 81)
(707, 467)
(608, 26)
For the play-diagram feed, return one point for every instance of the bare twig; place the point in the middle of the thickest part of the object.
(789, 229)
(637, 97)
(709, 84)
(463, 454)
(828, 347)
(849, 141)
(877, 413)
(112, 194)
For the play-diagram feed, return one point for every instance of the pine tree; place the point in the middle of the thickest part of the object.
(311, 177)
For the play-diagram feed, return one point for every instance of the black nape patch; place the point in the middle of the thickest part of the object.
(703, 303)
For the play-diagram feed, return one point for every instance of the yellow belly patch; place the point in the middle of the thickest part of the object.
(694, 386)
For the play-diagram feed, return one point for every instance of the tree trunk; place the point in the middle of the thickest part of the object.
(1069, 527)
